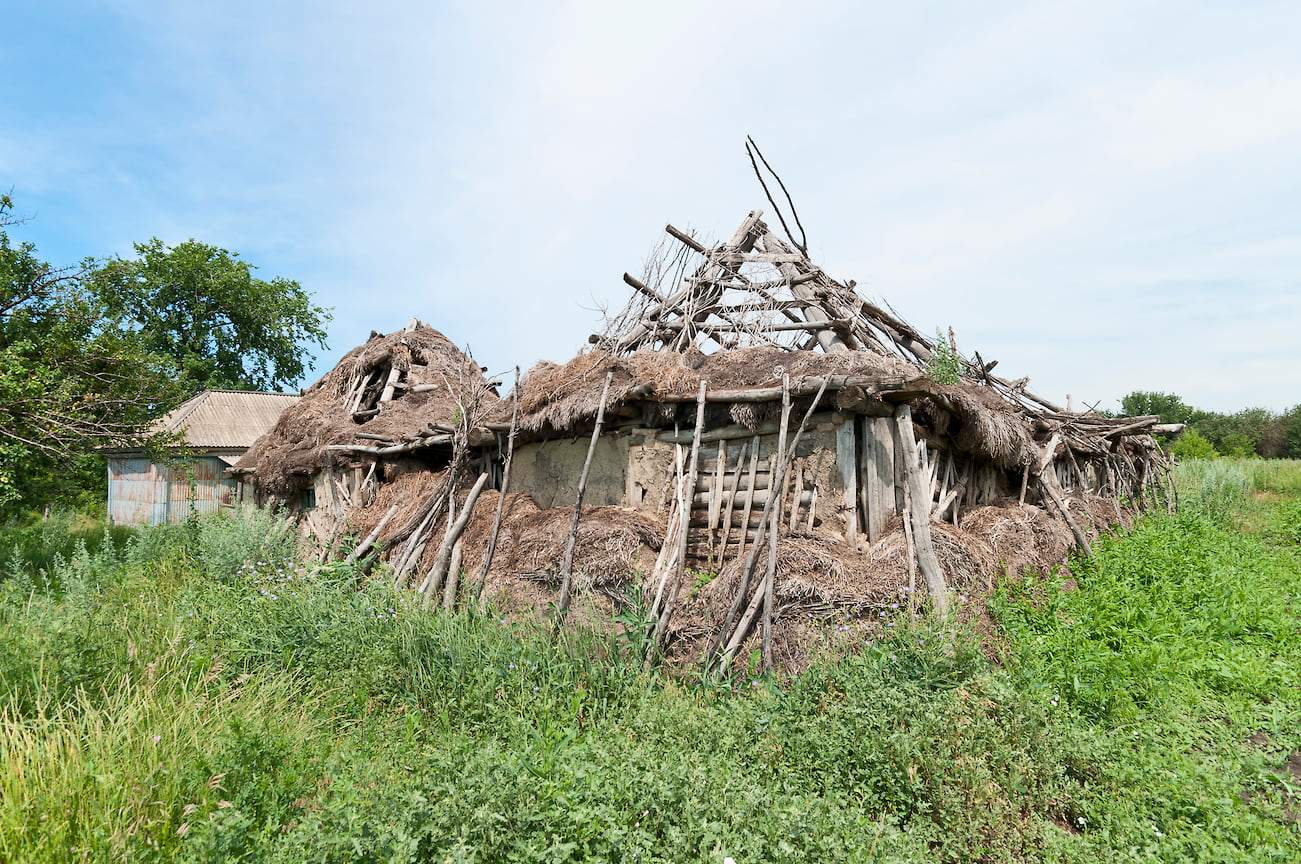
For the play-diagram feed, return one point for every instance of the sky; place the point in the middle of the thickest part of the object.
(1103, 196)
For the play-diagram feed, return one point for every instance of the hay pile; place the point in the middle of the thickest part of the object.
(436, 380)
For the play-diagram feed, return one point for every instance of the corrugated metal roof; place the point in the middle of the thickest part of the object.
(226, 418)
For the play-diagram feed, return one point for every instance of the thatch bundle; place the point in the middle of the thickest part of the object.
(433, 383)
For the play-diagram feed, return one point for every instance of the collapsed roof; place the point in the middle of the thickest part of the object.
(400, 393)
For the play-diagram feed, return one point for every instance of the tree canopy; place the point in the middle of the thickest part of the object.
(90, 355)
(70, 378)
(202, 307)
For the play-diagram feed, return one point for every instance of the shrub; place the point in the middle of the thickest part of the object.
(248, 534)
(1191, 445)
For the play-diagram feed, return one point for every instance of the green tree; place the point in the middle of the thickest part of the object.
(202, 307)
(1291, 421)
(71, 378)
(1170, 407)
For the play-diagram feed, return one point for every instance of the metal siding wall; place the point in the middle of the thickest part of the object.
(199, 486)
(134, 491)
(142, 492)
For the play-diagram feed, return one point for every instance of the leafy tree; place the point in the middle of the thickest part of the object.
(202, 307)
(71, 379)
(1291, 422)
(1170, 407)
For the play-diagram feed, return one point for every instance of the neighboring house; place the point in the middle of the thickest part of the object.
(217, 427)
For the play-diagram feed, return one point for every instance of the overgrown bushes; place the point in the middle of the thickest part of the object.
(197, 694)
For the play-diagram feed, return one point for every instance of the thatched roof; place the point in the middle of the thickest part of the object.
(559, 399)
(432, 384)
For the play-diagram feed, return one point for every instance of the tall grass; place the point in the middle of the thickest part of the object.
(198, 694)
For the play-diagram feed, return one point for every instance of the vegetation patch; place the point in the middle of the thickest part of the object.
(195, 694)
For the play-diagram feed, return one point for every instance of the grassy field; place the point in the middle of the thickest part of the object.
(193, 693)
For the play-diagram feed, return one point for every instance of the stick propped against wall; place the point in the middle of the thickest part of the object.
(567, 566)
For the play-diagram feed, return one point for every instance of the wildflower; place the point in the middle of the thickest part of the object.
(157, 738)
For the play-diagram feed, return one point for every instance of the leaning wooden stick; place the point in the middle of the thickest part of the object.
(727, 510)
(770, 577)
(679, 570)
(567, 566)
(501, 498)
(371, 537)
(919, 511)
(434, 579)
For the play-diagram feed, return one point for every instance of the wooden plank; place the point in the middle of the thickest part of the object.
(715, 491)
(754, 466)
(920, 512)
(847, 462)
(878, 470)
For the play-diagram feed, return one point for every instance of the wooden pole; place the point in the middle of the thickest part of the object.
(679, 570)
(911, 548)
(847, 461)
(567, 566)
(919, 512)
(727, 510)
(501, 498)
(770, 577)
(749, 499)
(371, 537)
(1048, 482)
(434, 579)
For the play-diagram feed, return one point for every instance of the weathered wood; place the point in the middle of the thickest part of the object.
(761, 480)
(709, 271)
(919, 512)
(836, 324)
(847, 462)
(567, 565)
(731, 432)
(716, 561)
(715, 493)
(687, 240)
(799, 388)
(629, 279)
(453, 575)
(416, 545)
(666, 560)
(739, 634)
(501, 497)
(1048, 482)
(910, 546)
(948, 499)
(878, 470)
(827, 337)
(749, 501)
(371, 537)
(390, 385)
(679, 571)
(770, 578)
(796, 498)
(434, 578)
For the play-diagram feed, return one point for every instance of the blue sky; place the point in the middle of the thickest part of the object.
(1103, 196)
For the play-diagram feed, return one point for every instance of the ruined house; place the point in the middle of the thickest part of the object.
(755, 445)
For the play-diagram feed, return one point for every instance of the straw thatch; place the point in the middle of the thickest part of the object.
(436, 382)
